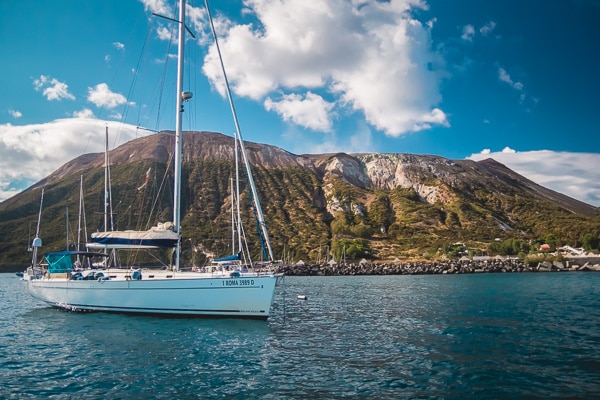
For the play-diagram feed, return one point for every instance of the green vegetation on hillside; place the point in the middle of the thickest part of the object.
(304, 213)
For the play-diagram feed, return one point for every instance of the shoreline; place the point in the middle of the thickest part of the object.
(423, 267)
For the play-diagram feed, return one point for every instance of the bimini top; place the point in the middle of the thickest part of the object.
(62, 261)
(155, 237)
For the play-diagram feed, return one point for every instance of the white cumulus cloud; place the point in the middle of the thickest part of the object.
(488, 28)
(29, 153)
(371, 57)
(166, 33)
(468, 33)
(84, 113)
(52, 88)
(102, 96)
(158, 6)
(311, 110)
(15, 113)
(505, 77)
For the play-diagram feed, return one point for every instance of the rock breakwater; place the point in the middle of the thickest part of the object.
(425, 268)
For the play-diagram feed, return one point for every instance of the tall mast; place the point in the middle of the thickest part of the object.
(67, 218)
(80, 214)
(178, 141)
(106, 180)
(37, 242)
(233, 222)
(79, 218)
(107, 197)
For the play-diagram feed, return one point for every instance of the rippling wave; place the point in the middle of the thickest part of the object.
(475, 336)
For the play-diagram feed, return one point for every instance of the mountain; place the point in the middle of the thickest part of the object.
(382, 206)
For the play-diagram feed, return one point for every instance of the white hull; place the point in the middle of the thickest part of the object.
(161, 292)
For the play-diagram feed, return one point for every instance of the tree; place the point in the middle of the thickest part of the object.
(455, 250)
(381, 213)
(509, 247)
(339, 226)
(353, 249)
(590, 241)
(551, 240)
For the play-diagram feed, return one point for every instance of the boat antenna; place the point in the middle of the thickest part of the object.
(238, 132)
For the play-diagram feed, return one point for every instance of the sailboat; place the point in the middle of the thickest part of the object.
(242, 293)
(240, 257)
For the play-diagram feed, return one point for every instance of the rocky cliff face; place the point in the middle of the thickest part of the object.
(383, 172)
(431, 177)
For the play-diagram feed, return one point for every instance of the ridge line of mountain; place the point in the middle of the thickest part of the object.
(215, 145)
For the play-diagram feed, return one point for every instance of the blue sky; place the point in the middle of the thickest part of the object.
(515, 81)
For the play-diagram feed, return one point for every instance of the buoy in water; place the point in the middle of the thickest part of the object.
(302, 297)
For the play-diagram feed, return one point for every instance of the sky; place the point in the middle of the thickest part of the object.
(510, 80)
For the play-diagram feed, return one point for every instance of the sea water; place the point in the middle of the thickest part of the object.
(462, 336)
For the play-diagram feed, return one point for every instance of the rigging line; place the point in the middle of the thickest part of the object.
(141, 201)
(110, 202)
(117, 71)
(160, 188)
(259, 213)
(191, 82)
(205, 207)
(241, 226)
(133, 32)
(163, 80)
(245, 244)
(85, 231)
(261, 237)
(141, 58)
(237, 185)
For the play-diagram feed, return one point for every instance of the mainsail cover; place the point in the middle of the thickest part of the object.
(157, 236)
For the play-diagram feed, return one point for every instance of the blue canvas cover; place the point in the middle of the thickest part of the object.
(59, 261)
(233, 257)
(62, 261)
